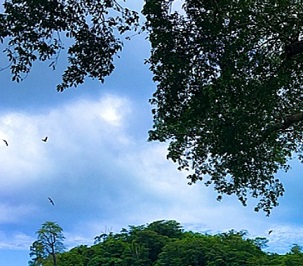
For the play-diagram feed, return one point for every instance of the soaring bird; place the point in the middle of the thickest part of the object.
(270, 231)
(51, 201)
(6, 143)
(45, 139)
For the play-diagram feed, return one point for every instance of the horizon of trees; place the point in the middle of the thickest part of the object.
(166, 243)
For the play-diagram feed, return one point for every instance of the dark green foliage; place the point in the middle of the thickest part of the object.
(138, 246)
(38, 29)
(48, 244)
(171, 229)
(76, 256)
(38, 252)
(198, 249)
(294, 257)
(193, 250)
(240, 251)
(229, 91)
(164, 243)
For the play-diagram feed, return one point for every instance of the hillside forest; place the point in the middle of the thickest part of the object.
(165, 243)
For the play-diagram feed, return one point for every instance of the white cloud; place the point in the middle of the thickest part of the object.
(13, 213)
(113, 111)
(15, 241)
(99, 175)
(283, 236)
(69, 129)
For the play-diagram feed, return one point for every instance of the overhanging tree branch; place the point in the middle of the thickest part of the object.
(287, 123)
(219, 122)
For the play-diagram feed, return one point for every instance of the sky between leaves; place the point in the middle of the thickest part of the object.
(99, 169)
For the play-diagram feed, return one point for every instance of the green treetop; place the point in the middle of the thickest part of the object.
(49, 242)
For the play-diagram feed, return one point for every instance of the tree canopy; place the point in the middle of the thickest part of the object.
(165, 243)
(48, 244)
(228, 75)
(38, 30)
(229, 91)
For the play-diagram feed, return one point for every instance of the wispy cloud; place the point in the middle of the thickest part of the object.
(15, 241)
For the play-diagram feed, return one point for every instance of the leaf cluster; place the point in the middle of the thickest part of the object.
(229, 91)
(48, 244)
(38, 29)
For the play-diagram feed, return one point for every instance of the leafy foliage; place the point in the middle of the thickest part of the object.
(49, 242)
(152, 245)
(229, 91)
(37, 30)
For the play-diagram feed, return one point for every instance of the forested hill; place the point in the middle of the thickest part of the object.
(165, 243)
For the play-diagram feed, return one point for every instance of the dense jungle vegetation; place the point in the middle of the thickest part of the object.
(165, 243)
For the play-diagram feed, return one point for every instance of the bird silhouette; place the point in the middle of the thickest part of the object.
(51, 201)
(6, 143)
(270, 231)
(45, 139)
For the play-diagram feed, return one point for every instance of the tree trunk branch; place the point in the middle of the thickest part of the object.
(288, 122)
(291, 119)
(294, 49)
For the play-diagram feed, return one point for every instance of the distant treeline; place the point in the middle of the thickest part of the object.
(165, 243)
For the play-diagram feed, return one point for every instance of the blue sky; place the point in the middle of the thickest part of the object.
(100, 170)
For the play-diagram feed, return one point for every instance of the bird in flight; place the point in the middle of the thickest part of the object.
(51, 201)
(5, 141)
(45, 139)
(270, 231)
